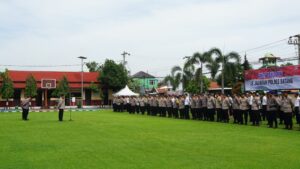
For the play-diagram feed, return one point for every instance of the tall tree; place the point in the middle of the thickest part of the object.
(201, 59)
(246, 65)
(134, 85)
(213, 66)
(7, 88)
(174, 78)
(113, 76)
(93, 66)
(30, 88)
(230, 66)
(62, 87)
(187, 72)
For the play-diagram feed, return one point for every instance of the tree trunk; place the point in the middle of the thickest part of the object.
(201, 80)
(223, 77)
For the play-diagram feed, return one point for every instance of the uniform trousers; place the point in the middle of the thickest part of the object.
(211, 114)
(175, 112)
(187, 112)
(255, 117)
(25, 114)
(219, 114)
(272, 118)
(225, 116)
(61, 114)
(288, 121)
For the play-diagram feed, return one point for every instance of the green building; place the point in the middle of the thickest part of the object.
(269, 60)
(147, 82)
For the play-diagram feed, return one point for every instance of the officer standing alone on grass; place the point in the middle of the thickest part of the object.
(61, 107)
(25, 107)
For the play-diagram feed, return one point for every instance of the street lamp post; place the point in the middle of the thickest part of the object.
(82, 58)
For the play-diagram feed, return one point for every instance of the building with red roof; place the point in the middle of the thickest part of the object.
(44, 97)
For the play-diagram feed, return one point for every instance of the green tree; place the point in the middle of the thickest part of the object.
(174, 78)
(193, 86)
(231, 67)
(62, 87)
(201, 59)
(246, 65)
(30, 88)
(7, 88)
(134, 85)
(188, 72)
(113, 76)
(213, 66)
(94, 88)
(93, 66)
(287, 64)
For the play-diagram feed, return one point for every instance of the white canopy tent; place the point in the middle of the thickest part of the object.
(125, 92)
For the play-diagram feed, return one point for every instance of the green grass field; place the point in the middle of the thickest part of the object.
(105, 139)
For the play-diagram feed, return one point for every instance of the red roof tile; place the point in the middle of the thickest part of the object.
(74, 78)
(21, 76)
(213, 85)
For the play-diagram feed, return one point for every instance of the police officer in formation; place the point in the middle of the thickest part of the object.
(206, 107)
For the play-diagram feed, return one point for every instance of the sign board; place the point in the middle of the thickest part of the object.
(276, 78)
(73, 99)
(48, 83)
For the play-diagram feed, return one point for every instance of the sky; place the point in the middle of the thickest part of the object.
(157, 33)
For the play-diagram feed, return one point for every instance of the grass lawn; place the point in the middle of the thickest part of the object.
(105, 139)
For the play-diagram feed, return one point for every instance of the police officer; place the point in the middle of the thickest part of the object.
(181, 107)
(219, 107)
(169, 106)
(287, 108)
(61, 107)
(255, 107)
(296, 108)
(142, 105)
(187, 103)
(114, 104)
(244, 108)
(211, 103)
(204, 107)
(225, 108)
(198, 107)
(155, 106)
(271, 110)
(235, 109)
(175, 106)
(25, 107)
(132, 105)
(193, 107)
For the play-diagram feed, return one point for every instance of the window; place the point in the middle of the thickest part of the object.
(152, 82)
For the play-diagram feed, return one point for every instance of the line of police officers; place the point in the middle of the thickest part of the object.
(243, 108)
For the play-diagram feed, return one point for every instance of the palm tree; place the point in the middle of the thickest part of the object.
(174, 78)
(228, 67)
(213, 66)
(201, 59)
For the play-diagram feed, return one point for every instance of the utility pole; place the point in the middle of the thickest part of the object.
(295, 40)
(82, 58)
(124, 57)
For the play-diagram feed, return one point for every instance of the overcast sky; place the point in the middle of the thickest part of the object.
(157, 33)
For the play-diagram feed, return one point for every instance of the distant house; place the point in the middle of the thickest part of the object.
(215, 88)
(146, 81)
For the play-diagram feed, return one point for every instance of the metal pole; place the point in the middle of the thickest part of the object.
(82, 58)
(81, 83)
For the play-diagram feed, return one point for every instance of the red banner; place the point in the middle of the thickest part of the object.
(274, 78)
